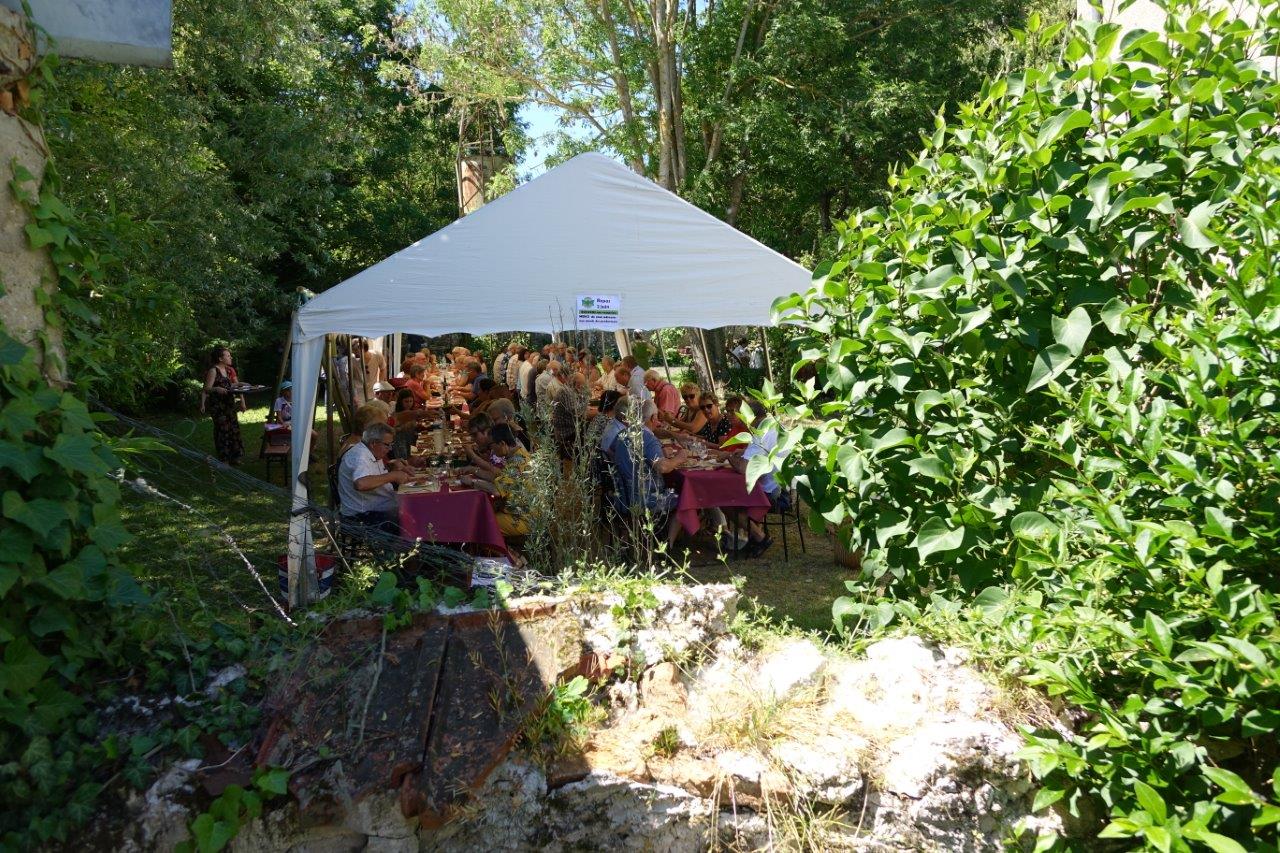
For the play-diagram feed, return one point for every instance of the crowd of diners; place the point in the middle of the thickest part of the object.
(640, 427)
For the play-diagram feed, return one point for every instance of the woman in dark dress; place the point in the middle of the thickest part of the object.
(223, 403)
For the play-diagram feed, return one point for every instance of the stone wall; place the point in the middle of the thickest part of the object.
(708, 743)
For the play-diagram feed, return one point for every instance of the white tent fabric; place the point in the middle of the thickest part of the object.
(589, 226)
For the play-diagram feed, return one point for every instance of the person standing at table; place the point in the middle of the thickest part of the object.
(223, 405)
(375, 368)
(502, 360)
(524, 376)
(513, 370)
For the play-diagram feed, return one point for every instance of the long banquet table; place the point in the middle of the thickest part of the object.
(725, 488)
(451, 517)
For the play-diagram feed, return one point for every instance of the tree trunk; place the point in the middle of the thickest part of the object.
(713, 148)
(619, 74)
(664, 59)
(736, 185)
(29, 277)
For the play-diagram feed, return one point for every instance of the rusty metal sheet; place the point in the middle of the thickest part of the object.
(491, 683)
(432, 713)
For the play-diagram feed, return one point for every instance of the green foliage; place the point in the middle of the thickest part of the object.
(1046, 371)
(214, 829)
(564, 719)
(276, 153)
(61, 587)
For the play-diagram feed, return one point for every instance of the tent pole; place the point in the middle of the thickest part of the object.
(768, 362)
(284, 363)
(624, 346)
(330, 386)
(662, 346)
(706, 354)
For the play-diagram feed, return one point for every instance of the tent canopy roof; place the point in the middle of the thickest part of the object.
(588, 226)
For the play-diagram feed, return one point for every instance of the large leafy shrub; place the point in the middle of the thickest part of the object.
(1046, 410)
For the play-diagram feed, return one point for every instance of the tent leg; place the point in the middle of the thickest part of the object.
(768, 361)
(284, 363)
(706, 354)
(624, 345)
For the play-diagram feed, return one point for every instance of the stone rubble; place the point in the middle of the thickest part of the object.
(901, 748)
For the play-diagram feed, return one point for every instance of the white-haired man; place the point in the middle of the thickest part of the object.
(665, 395)
(367, 483)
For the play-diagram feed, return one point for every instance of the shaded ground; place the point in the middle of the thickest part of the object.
(205, 574)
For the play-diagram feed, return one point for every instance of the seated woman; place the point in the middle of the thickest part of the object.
(415, 384)
(407, 421)
(509, 484)
(689, 418)
(737, 426)
(738, 454)
(372, 412)
(503, 411)
(717, 426)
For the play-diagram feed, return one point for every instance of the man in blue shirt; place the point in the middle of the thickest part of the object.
(641, 464)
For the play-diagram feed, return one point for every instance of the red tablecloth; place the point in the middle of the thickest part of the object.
(720, 487)
(451, 518)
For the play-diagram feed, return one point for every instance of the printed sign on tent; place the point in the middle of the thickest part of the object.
(599, 312)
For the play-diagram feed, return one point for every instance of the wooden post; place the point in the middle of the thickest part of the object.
(663, 348)
(330, 386)
(768, 362)
(284, 364)
(706, 354)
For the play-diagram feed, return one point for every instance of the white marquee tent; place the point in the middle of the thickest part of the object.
(589, 226)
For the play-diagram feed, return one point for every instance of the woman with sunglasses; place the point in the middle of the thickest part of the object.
(689, 418)
(718, 426)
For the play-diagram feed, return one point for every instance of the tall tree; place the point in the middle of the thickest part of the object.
(276, 154)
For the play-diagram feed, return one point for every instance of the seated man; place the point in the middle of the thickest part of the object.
(386, 392)
(665, 395)
(641, 464)
(612, 426)
(366, 488)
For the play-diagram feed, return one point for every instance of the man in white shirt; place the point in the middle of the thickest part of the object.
(513, 368)
(548, 386)
(526, 375)
(502, 361)
(366, 487)
(739, 352)
(761, 445)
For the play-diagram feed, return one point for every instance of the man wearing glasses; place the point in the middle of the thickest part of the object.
(366, 487)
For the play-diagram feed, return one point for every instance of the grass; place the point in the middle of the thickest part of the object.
(197, 544)
(203, 573)
(796, 591)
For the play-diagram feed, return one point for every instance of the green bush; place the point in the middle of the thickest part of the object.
(1046, 409)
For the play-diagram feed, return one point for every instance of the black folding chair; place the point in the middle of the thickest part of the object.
(787, 507)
